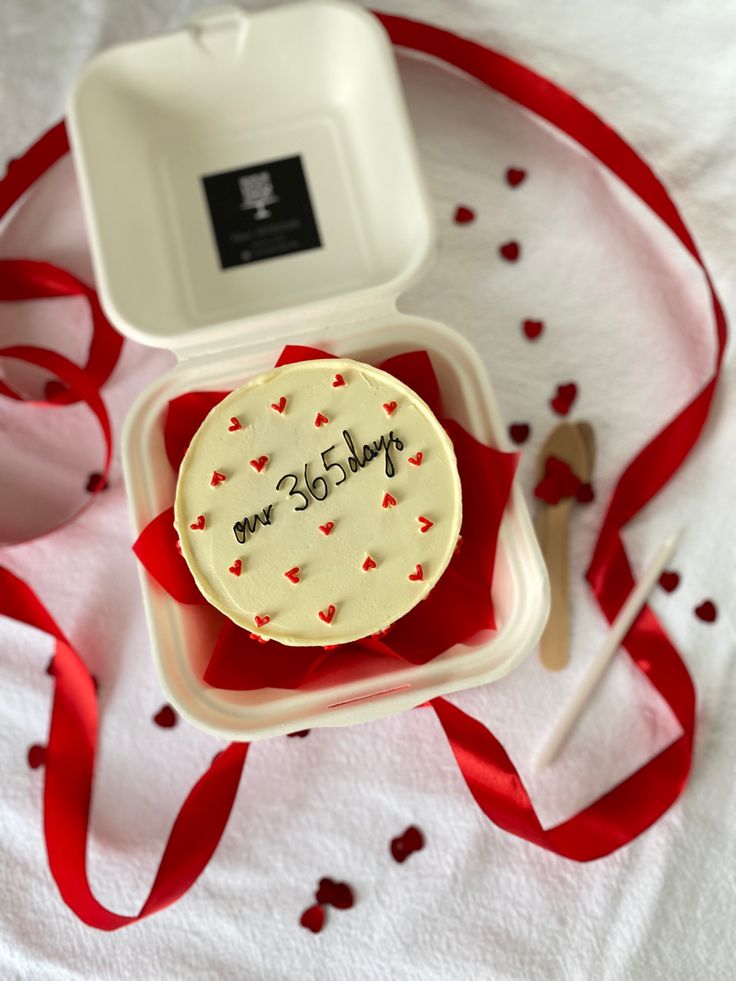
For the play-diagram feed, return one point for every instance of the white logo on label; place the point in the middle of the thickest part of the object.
(257, 192)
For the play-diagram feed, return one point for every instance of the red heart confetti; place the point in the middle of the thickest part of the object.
(259, 464)
(707, 611)
(412, 840)
(563, 398)
(36, 756)
(463, 215)
(532, 329)
(262, 621)
(416, 461)
(519, 432)
(198, 525)
(425, 523)
(390, 407)
(257, 637)
(166, 717)
(320, 419)
(327, 616)
(234, 426)
(293, 574)
(178, 546)
(337, 894)
(417, 575)
(514, 176)
(280, 405)
(338, 382)
(217, 478)
(236, 568)
(669, 580)
(510, 251)
(299, 734)
(368, 564)
(388, 501)
(96, 483)
(326, 529)
(313, 918)
(585, 494)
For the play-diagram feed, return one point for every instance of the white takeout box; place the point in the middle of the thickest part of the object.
(231, 96)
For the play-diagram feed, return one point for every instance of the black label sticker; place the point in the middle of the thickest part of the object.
(261, 212)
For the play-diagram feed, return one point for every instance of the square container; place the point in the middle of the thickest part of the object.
(251, 181)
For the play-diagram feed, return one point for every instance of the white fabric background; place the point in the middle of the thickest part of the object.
(624, 314)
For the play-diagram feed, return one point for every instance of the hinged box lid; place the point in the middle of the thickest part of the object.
(250, 173)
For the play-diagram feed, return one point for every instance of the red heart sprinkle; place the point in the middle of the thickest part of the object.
(261, 640)
(510, 251)
(416, 461)
(36, 756)
(326, 529)
(301, 733)
(338, 382)
(390, 407)
(412, 840)
(532, 328)
(669, 581)
(337, 894)
(706, 611)
(198, 525)
(280, 405)
(326, 617)
(234, 425)
(368, 564)
(96, 483)
(584, 494)
(519, 432)
(514, 176)
(178, 546)
(313, 918)
(320, 419)
(217, 478)
(417, 575)
(463, 215)
(425, 523)
(388, 501)
(259, 464)
(165, 717)
(292, 574)
(262, 621)
(564, 397)
(236, 568)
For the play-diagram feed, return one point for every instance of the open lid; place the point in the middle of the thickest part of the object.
(250, 171)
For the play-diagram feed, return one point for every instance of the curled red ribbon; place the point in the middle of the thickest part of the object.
(610, 822)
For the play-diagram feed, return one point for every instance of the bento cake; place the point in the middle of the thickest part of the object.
(318, 503)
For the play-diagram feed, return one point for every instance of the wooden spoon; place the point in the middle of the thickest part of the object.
(575, 447)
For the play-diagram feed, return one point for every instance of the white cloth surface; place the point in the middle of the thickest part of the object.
(624, 314)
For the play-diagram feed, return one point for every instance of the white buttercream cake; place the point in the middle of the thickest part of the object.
(318, 503)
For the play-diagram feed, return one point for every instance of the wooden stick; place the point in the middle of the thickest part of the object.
(620, 627)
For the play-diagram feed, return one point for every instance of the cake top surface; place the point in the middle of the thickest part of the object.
(318, 503)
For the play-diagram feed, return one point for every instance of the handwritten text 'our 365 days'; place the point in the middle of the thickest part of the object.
(318, 487)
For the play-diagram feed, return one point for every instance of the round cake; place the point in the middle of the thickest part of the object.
(319, 503)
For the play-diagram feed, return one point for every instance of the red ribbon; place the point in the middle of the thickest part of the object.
(635, 804)
(612, 821)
